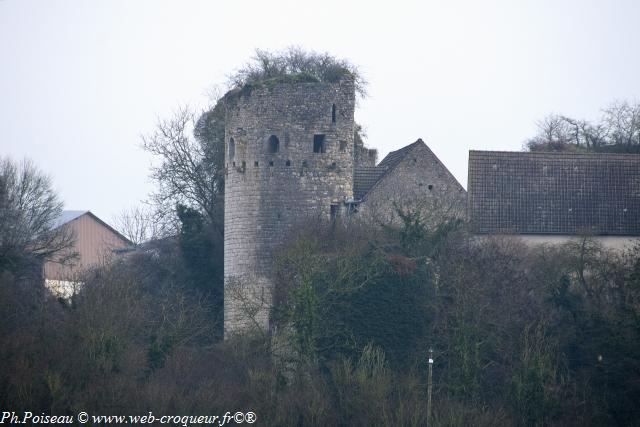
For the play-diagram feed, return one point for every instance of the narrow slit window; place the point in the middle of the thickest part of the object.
(273, 144)
(232, 149)
(333, 113)
(318, 144)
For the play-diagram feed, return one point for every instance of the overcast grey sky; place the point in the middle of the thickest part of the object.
(81, 80)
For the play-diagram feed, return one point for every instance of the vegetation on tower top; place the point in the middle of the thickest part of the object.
(293, 65)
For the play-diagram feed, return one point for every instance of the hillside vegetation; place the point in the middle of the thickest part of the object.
(521, 336)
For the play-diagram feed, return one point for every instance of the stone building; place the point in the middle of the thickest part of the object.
(290, 157)
(555, 197)
(411, 178)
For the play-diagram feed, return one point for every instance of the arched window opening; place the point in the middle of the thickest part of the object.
(333, 113)
(232, 149)
(273, 144)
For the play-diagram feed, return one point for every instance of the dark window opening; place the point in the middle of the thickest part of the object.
(430, 187)
(234, 164)
(232, 149)
(255, 164)
(343, 146)
(271, 163)
(273, 144)
(288, 163)
(318, 144)
(333, 113)
(304, 163)
(334, 212)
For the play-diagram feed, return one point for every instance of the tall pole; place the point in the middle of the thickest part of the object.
(429, 386)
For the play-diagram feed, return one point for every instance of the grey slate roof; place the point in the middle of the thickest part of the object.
(67, 216)
(365, 177)
(395, 157)
(554, 193)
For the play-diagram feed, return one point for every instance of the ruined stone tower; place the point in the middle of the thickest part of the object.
(289, 158)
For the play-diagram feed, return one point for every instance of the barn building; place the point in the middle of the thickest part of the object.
(95, 243)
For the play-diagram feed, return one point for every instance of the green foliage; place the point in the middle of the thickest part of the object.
(515, 328)
(201, 251)
(190, 167)
(293, 65)
(343, 291)
(531, 382)
(521, 336)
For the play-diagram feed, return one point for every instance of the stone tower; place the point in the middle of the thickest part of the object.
(289, 158)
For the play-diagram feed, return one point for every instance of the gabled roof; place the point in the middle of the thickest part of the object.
(68, 216)
(366, 177)
(554, 193)
(392, 159)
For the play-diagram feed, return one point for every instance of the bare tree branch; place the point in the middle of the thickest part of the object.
(29, 209)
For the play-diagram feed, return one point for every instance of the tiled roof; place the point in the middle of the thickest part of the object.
(394, 157)
(365, 177)
(554, 193)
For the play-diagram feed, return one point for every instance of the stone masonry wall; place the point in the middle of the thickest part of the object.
(267, 193)
(419, 181)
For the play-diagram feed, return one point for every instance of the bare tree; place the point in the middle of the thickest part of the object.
(554, 134)
(618, 127)
(623, 121)
(190, 148)
(29, 209)
(138, 224)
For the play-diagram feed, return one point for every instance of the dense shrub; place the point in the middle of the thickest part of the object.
(521, 336)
